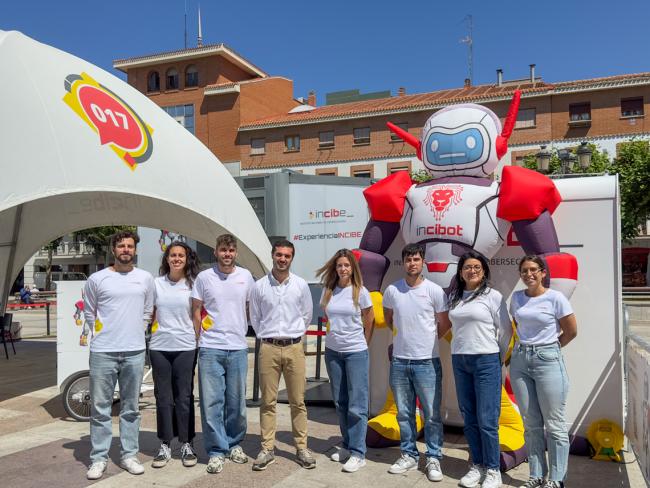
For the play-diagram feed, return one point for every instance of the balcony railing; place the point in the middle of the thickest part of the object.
(69, 249)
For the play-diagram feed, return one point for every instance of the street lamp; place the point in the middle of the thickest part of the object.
(584, 155)
(566, 157)
(543, 158)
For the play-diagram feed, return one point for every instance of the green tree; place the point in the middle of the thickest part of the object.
(633, 168)
(98, 238)
(50, 248)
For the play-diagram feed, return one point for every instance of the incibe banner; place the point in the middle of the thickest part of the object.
(322, 220)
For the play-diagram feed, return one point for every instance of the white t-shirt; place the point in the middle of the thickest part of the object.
(224, 297)
(173, 329)
(117, 308)
(482, 325)
(414, 318)
(280, 310)
(538, 317)
(346, 328)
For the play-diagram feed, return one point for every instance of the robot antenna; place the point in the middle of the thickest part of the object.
(406, 137)
(508, 125)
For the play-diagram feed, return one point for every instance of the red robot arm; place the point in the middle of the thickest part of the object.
(386, 197)
(525, 194)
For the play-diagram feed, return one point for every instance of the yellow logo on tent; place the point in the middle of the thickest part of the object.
(111, 118)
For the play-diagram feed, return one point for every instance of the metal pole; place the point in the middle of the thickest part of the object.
(319, 342)
(47, 311)
(255, 401)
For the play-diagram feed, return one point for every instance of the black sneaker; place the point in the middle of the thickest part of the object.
(163, 456)
(188, 457)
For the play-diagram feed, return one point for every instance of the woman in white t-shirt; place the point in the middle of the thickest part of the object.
(348, 307)
(545, 323)
(481, 331)
(173, 352)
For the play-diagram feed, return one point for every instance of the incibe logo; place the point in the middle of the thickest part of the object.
(332, 213)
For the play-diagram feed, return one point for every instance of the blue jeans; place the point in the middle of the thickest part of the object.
(107, 369)
(421, 378)
(348, 374)
(540, 383)
(222, 390)
(478, 388)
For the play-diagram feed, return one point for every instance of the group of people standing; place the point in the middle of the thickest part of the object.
(209, 310)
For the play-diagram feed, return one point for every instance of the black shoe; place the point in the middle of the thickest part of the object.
(188, 457)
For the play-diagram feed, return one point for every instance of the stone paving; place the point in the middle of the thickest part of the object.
(40, 447)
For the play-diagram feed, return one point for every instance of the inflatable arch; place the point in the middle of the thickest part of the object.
(81, 148)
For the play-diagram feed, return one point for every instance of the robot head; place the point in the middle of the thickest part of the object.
(463, 140)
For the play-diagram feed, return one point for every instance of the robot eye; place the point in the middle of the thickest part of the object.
(470, 142)
(434, 145)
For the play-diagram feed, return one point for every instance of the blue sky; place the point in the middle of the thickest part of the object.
(369, 45)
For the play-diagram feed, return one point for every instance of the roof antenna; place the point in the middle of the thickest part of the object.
(185, 25)
(199, 41)
(468, 39)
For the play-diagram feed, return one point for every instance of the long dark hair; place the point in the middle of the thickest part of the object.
(191, 262)
(458, 284)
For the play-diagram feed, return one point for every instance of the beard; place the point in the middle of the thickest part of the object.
(125, 258)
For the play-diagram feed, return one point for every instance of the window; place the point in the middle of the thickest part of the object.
(183, 114)
(580, 112)
(525, 118)
(632, 107)
(153, 82)
(292, 143)
(398, 166)
(394, 137)
(362, 135)
(172, 79)
(362, 171)
(326, 138)
(258, 146)
(191, 76)
(327, 171)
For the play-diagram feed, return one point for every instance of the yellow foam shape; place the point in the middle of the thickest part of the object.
(377, 307)
(98, 325)
(511, 425)
(385, 423)
(207, 323)
(154, 327)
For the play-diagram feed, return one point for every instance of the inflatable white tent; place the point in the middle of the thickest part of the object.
(81, 148)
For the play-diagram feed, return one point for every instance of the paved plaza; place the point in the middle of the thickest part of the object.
(40, 447)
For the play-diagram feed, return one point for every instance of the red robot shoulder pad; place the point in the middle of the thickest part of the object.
(524, 194)
(386, 197)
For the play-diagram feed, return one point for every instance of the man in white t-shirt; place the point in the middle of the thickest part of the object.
(412, 306)
(219, 299)
(281, 310)
(118, 303)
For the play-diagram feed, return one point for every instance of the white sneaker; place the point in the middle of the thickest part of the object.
(354, 464)
(341, 455)
(215, 465)
(237, 455)
(132, 465)
(96, 470)
(492, 479)
(403, 464)
(434, 473)
(473, 476)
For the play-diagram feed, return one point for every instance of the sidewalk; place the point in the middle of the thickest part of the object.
(39, 447)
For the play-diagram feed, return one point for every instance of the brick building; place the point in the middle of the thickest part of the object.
(252, 122)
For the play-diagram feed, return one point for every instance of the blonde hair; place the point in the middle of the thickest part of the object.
(329, 277)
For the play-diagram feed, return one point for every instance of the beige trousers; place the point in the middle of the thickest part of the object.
(290, 362)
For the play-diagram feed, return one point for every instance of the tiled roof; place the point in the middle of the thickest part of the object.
(439, 99)
(195, 52)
